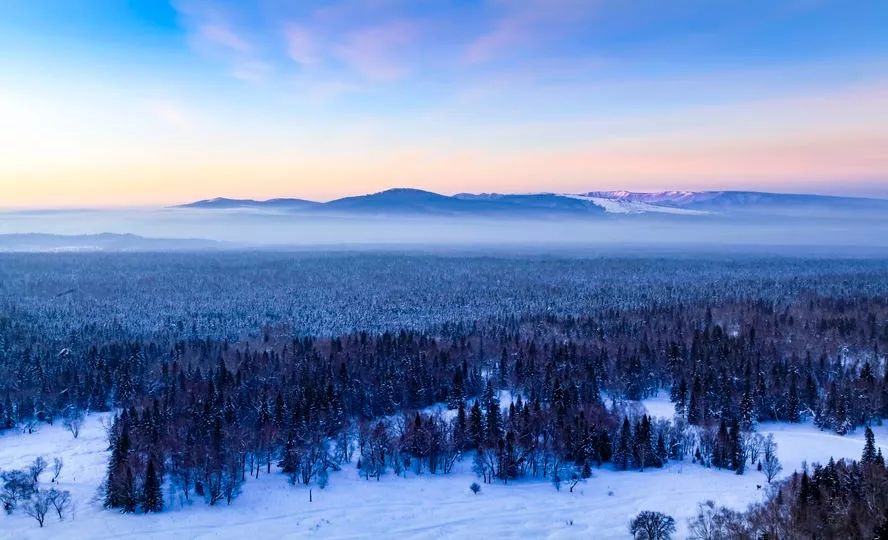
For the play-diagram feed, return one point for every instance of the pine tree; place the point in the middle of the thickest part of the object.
(456, 395)
(476, 425)
(152, 498)
(792, 402)
(115, 480)
(662, 451)
(679, 396)
(869, 447)
(644, 446)
(721, 452)
(8, 419)
(128, 492)
(623, 451)
(747, 408)
(461, 426)
(737, 456)
(493, 419)
(695, 416)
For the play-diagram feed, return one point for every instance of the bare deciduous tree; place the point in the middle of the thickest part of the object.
(17, 486)
(73, 422)
(648, 525)
(38, 505)
(36, 468)
(716, 523)
(57, 464)
(770, 464)
(60, 501)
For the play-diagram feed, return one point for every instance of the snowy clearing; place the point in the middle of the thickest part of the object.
(416, 507)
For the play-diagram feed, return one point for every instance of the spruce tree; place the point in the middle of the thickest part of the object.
(721, 451)
(792, 402)
(128, 492)
(115, 480)
(152, 498)
(476, 425)
(8, 419)
(662, 451)
(624, 446)
(679, 396)
(747, 408)
(737, 456)
(461, 426)
(869, 447)
(694, 416)
(494, 421)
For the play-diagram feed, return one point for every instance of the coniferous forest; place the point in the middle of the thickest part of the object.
(220, 368)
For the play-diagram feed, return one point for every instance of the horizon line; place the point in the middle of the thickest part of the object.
(179, 204)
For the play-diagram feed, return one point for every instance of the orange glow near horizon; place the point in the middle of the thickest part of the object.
(237, 101)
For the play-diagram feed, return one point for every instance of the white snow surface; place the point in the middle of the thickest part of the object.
(657, 197)
(416, 507)
(627, 206)
(660, 406)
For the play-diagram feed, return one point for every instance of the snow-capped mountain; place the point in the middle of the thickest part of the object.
(668, 198)
(735, 200)
(405, 201)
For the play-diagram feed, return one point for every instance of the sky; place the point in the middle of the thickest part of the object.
(142, 103)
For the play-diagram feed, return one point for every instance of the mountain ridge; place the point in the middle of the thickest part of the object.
(591, 203)
(105, 241)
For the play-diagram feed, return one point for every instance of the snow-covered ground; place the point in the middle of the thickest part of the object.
(626, 206)
(660, 406)
(416, 507)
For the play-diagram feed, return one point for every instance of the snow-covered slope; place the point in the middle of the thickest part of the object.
(414, 507)
(676, 198)
(733, 201)
(626, 205)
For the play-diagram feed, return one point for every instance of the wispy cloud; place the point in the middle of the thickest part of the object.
(376, 52)
(302, 46)
(527, 22)
(217, 33)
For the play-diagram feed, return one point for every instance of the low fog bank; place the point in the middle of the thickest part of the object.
(281, 230)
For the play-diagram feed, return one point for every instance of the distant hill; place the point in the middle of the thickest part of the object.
(37, 242)
(405, 201)
(223, 203)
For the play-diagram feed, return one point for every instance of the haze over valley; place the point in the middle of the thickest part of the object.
(405, 217)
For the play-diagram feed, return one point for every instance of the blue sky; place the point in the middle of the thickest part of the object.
(109, 102)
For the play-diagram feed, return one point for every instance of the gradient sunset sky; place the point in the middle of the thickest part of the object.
(110, 103)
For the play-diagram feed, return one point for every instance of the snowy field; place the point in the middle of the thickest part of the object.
(416, 507)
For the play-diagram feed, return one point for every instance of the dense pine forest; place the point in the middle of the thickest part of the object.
(220, 368)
